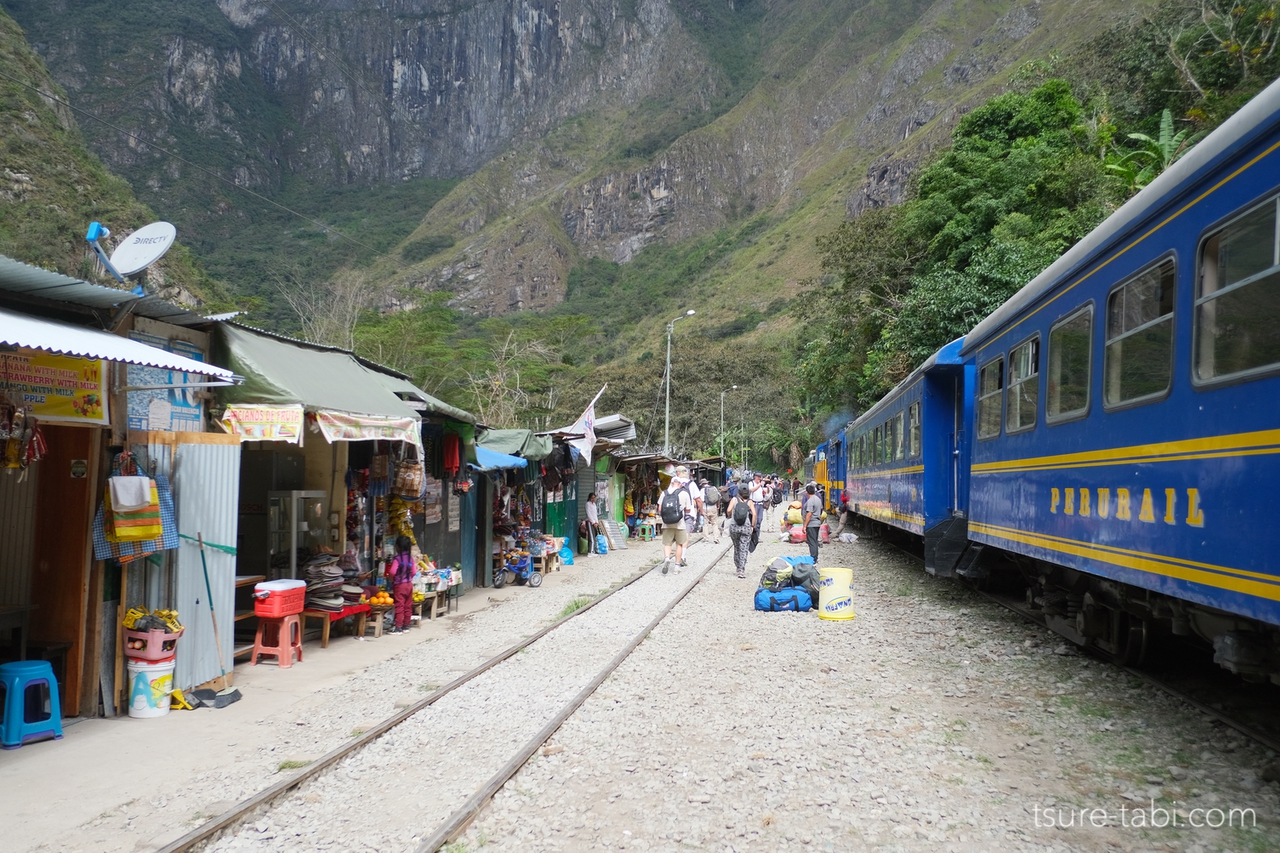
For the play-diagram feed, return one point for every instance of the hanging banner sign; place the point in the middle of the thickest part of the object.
(56, 387)
(264, 423)
(340, 426)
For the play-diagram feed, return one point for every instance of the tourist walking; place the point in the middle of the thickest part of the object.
(740, 515)
(711, 510)
(757, 495)
(673, 510)
(812, 520)
(694, 511)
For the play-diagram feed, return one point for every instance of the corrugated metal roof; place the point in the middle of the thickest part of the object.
(20, 330)
(26, 280)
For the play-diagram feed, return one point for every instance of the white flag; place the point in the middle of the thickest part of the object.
(587, 426)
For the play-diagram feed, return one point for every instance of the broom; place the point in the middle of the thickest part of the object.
(228, 694)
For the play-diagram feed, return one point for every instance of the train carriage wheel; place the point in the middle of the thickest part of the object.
(1131, 641)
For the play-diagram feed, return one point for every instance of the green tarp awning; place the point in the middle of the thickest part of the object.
(516, 442)
(282, 373)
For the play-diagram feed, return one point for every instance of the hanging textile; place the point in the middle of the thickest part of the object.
(452, 455)
(433, 450)
(124, 552)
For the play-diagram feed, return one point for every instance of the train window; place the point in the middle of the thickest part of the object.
(899, 437)
(889, 440)
(1070, 348)
(990, 385)
(913, 418)
(1024, 386)
(875, 447)
(1238, 298)
(1139, 354)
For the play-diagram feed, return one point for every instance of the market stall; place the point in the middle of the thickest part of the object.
(332, 467)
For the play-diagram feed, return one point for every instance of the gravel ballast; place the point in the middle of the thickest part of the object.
(323, 720)
(443, 753)
(935, 720)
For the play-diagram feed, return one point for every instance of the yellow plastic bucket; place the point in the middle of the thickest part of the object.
(835, 594)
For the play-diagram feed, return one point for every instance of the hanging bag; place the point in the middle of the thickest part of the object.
(140, 523)
(409, 480)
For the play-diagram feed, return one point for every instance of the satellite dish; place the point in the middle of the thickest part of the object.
(143, 247)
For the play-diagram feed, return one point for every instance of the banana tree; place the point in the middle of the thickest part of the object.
(1140, 167)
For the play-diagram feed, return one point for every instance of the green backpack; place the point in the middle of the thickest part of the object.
(777, 576)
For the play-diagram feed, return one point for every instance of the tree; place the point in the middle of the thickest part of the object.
(1023, 181)
(328, 311)
(1242, 32)
(1139, 167)
(504, 389)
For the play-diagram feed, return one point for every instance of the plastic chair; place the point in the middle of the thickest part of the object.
(280, 637)
(32, 706)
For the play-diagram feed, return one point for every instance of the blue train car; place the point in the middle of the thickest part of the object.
(1126, 412)
(906, 459)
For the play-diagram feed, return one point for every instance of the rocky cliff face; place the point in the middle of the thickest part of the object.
(873, 96)
(359, 92)
(529, 99)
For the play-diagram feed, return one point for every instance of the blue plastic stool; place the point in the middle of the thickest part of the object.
(31, 704)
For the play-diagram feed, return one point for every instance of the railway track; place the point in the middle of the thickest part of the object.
(428, 839)
(1182, 672)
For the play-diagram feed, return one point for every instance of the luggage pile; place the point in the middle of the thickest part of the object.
(789, 583)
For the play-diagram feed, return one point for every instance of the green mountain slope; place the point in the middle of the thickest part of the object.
(52, 186)
(614, 162)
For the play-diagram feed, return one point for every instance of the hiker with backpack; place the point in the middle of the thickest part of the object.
(740, 516)
(711, 510)
(672, 508)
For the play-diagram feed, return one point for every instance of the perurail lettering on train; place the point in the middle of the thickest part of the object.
(1118, 504)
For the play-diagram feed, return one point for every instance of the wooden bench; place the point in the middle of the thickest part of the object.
(327, 618)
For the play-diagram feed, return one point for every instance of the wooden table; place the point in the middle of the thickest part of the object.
(327, 618)
(17, 618)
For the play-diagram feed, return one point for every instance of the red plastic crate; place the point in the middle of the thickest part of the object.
(280, 602)
(160, 645)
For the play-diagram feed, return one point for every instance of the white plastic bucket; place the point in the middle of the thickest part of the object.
(150, 686)
(835, 594)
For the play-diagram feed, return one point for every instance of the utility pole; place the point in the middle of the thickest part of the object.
(666, 428)
(722, 393)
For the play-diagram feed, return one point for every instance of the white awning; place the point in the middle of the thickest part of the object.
(20, 330)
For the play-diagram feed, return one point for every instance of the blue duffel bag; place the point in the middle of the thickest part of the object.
(790, 598)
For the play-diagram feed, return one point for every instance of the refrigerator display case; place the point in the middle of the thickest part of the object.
(296, 520)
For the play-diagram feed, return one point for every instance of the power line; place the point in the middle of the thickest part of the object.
(326, 228)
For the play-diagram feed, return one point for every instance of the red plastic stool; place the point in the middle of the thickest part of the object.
(279, 637)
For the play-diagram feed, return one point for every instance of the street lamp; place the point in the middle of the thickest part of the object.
(722, 393)
(666, 428)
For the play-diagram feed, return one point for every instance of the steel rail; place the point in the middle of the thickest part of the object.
(242, 810)
(1243, 728)
(458, 822)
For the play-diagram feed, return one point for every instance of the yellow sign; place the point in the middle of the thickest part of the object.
(56, 387)
(264, 423)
